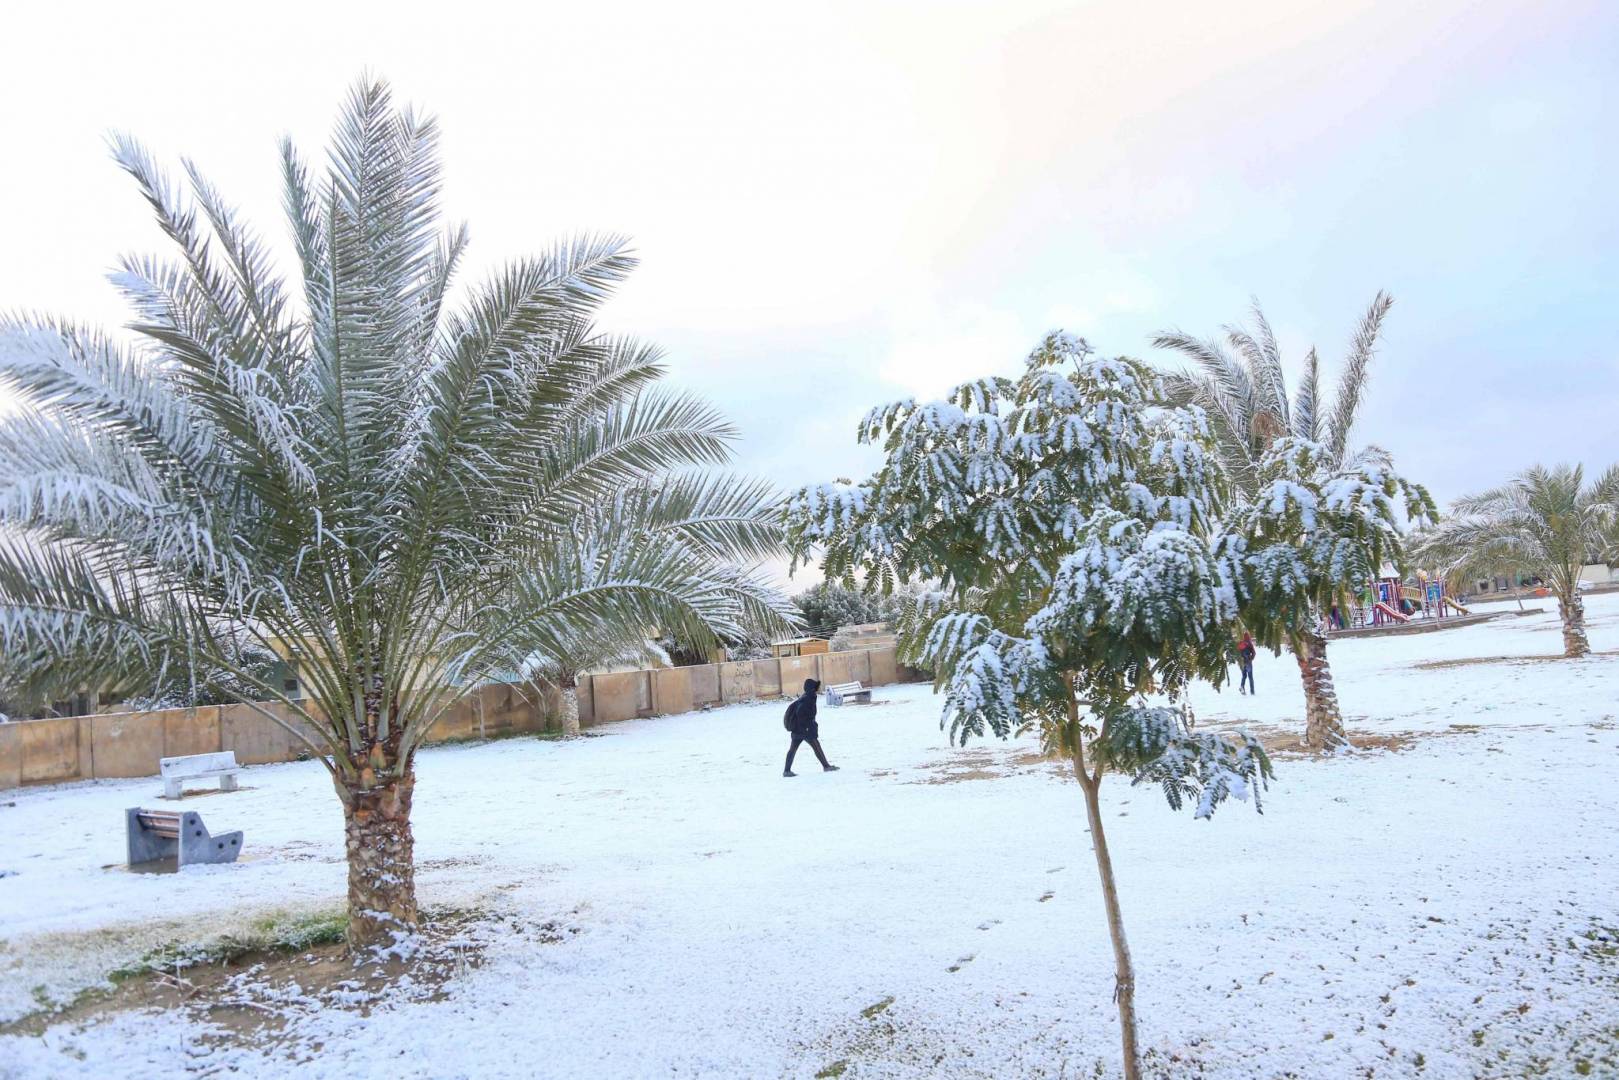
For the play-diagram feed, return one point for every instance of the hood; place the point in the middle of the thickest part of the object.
(811, 685)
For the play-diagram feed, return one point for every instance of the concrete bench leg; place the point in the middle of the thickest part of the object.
(143, 845)
(171, 788)
(227, 782)
(196, 846)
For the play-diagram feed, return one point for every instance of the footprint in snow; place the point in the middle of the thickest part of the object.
(957, 966)
(1048, 895)
(987, 923)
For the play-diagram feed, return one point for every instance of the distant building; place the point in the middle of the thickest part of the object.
(801, 646)
(877, 635)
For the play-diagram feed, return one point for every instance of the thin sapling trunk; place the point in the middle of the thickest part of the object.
(1124, 977)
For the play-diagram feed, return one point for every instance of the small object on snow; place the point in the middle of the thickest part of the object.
(158, 834)
(842, 692)
(177, 770)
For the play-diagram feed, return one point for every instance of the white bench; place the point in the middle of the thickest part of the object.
(849, 691)
(177, 770)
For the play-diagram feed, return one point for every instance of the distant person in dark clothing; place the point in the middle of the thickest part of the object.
(1245, 660)
(800, 720)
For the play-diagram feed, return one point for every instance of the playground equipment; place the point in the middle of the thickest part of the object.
(1389, 601)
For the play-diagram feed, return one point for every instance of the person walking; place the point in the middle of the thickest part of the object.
(800, 720)
(1245, 660)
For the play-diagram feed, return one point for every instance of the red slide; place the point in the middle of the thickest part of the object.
(1391, 612)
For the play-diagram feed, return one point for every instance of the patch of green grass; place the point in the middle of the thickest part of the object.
(872, 1010)
(495, 736)
(278, 932)
(832, 1070)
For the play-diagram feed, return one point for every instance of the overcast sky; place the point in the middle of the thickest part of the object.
(839, 204)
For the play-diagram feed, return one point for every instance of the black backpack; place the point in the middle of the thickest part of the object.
(791, 715)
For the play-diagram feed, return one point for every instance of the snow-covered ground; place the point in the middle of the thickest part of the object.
(1448, 909)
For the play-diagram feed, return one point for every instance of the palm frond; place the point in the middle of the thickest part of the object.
(1352, 382)
(1306, 405)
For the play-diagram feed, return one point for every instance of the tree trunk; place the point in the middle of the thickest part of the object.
(1124, 976)
(1323, 723)
(382, 869)
(570, 706)
(1572, 609)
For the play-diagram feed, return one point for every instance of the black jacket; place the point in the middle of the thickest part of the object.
(804, 708)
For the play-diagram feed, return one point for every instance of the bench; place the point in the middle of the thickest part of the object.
(849, 691)
(159, 834)
(177, 770)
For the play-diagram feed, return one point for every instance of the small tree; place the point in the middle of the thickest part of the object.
(1069, 518)
(827, 606)
(1546, 521)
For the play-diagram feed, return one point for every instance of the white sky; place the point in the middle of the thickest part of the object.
(842, 203)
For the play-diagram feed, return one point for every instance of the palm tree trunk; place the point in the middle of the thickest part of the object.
(381, 856)
(1323, 723)
(1572, 609)
(570, 706)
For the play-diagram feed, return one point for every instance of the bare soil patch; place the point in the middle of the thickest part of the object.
(984, 764)
(1472, 661)
(255, 995)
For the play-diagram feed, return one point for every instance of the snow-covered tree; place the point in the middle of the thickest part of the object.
(1314, 531)
(416, 492)
(1549, 522)
(1070, 521)
(1255, 422)
(705, 512)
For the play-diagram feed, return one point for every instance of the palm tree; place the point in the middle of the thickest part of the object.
(422, 494)
(1546, 521)
(1247, 400)
(729, 515)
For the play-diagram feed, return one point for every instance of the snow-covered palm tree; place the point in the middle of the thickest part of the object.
(419, 489)
(1241, 384)
(1549, 522)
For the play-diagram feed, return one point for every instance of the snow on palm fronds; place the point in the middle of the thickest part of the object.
(1546, 521)
(409, 493)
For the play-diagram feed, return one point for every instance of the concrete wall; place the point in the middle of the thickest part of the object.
(130, 744)
(705, 684)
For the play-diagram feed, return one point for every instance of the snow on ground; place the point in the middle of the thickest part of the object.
(1446, 910)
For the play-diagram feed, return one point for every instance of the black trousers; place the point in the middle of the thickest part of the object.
(815, 745)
